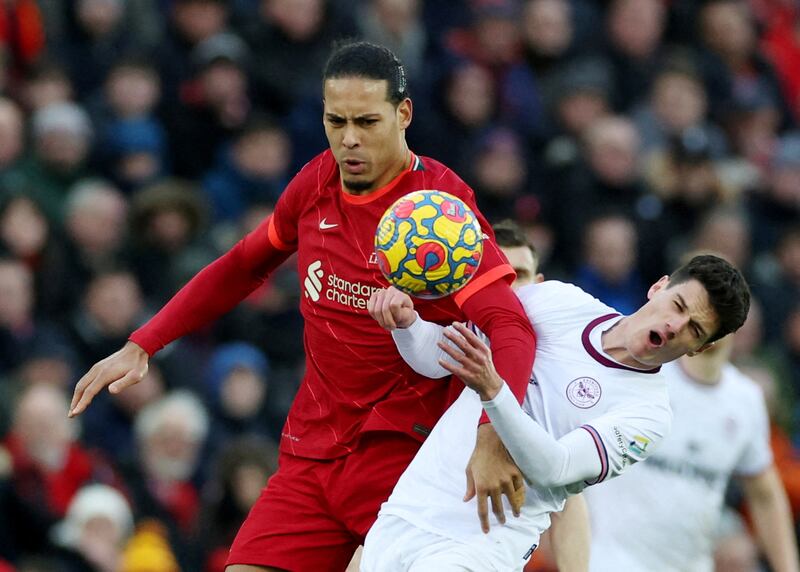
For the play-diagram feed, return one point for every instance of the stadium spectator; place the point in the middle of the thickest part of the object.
(167, 221)
(46, 83)
(49, 465)
(94, 531)
(170, 437)
(12, 134)
(609, 270)
(240, 472)
(62, 139)
(253, 169)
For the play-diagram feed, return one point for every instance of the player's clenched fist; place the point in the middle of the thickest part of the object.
(119, 370)
(392, 308)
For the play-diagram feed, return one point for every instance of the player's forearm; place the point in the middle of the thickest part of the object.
(543, 460)
(499, 314)
(570, 535)
(772, 519)
(417, 346)
(214, 291)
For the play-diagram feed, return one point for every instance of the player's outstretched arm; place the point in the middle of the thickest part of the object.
(414, 337)
(772, 517)
(543, 460)
(118, 371)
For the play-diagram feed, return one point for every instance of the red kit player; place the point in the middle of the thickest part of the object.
(361, 413)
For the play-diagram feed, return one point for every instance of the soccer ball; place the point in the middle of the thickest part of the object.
(429, 244)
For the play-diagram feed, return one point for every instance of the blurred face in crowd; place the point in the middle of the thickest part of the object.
(114, 301)
(749, 337)
(789, 256)
(24, 230)
(547, 26)
(171, 451)
(365, 131)
(676, 320)
(41, 424)
(63, 151)
(264, 154)
(611, 248)
(12, 133)
(242, 393)
(471, 96)
(132, 91)
(728, 30)
(99, 17)
(785, 185)
(47, 89)
(198, 20)
(578, 110)
(500, 168)
(397, 16)
(16, 295)
(613, 147)
(727, 233)
(300, 20)
(679, 101)
(498, 38)
(170, 229)
(636, 26)
(96, 223)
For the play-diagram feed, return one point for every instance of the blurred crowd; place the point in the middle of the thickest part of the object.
(140, 139)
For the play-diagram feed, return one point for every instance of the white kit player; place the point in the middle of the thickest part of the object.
(663, 514)
(596, 404)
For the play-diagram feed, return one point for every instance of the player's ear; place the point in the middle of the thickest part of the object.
(662, 283)
(405, 110)
(539, 278)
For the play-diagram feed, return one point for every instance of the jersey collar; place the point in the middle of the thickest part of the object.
(414, 165)
(598, 354)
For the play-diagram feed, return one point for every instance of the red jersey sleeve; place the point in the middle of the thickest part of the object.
(228, 280)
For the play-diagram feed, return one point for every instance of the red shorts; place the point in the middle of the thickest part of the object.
(313, 514)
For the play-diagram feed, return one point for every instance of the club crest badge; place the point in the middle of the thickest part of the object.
(584, 392)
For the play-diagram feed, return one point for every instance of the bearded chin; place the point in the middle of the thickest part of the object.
(357, 186)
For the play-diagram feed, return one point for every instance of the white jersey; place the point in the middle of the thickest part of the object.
(574, 384)
(662, 515)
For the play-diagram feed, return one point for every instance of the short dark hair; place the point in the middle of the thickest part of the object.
(369, 61)
(727, 290)
(508, 234)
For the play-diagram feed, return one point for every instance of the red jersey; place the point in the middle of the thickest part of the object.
(355, 379)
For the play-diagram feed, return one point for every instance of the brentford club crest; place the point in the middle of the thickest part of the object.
(584, 392)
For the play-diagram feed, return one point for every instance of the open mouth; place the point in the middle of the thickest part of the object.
(354, 166)
(656, 339)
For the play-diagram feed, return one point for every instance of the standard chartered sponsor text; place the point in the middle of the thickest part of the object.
(353, 294)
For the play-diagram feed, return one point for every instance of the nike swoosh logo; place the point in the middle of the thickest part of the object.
(323, 224)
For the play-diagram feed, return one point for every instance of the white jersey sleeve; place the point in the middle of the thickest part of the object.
(543, 460)
(418, 346)
(627, 436)
(757, 455)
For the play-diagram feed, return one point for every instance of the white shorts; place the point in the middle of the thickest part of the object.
(396, 545)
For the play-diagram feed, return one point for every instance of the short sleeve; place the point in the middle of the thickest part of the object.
(623, 438)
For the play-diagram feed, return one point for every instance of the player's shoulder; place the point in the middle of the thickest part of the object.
(740, 385)
(439, 174)
(560, 295)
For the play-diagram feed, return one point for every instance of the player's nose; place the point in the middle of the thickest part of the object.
(350, 138)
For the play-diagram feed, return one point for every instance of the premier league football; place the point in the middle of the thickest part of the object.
(429, 244)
